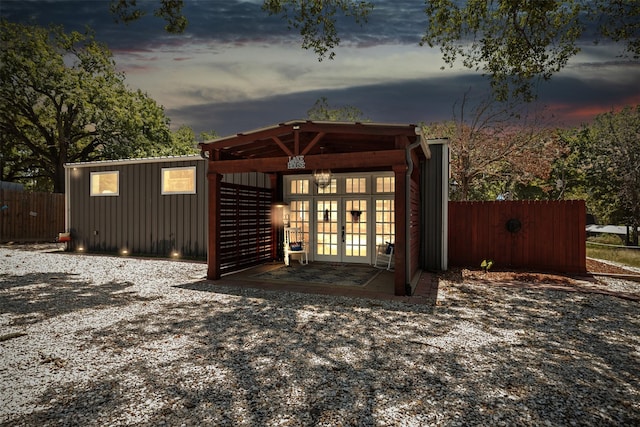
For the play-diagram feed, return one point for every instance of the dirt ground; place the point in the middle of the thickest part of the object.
(593, 266)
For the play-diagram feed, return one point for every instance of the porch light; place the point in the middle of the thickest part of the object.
(280, 214)
(322, 177)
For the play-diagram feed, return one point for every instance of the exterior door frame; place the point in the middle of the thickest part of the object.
(313, 196)
(346, 222)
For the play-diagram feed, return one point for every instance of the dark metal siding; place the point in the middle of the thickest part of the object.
(414, 227)
(141, 219)
(432, 187)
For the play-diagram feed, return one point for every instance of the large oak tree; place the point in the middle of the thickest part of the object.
(62, 100)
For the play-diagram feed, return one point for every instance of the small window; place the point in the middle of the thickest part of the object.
(332, 188)
(299, 186)
(385, 184)
(105, 183)
(179, 180)
(356, 185)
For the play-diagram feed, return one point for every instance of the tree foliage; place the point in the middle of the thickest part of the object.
(496, 152)
(183, 142)
(169, 10)
(316, 20)
(514, 42)
(608, 154)
(208, 135)
(321, 110)
(517, 42)
(62, 100)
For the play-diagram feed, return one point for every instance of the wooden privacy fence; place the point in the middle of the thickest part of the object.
(30, 217)
(535, 235)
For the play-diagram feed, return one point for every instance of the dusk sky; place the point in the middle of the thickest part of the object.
(236, 69)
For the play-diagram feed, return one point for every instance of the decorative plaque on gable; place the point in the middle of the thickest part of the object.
(296, 162)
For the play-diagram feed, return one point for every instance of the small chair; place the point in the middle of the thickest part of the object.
(384, 255)
(295, 245)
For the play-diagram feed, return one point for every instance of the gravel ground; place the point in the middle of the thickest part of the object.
(95, 341)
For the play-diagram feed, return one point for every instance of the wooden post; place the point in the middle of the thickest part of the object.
(400, 278)
(213, 255)
(275, 226)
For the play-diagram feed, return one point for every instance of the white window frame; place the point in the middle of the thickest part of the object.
(117, 192)
(164, 192)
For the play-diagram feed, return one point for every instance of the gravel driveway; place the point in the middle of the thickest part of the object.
(94, 341)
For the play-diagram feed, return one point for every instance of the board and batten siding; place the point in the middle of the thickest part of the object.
(140, 219)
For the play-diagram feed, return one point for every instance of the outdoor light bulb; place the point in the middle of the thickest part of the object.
(124, 252)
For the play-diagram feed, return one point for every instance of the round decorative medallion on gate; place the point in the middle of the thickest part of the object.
(513, 225)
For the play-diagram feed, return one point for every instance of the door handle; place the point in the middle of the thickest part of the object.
(343, 234)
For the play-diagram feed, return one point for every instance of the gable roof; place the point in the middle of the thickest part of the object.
(309, 138)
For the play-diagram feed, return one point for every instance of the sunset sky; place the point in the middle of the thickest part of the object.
(237, 69)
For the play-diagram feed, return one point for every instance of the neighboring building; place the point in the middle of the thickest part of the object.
(151, 206)
(11, 186)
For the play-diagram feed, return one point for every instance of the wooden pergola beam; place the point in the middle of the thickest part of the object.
(372, 159)
(313, 142)
(282, 146)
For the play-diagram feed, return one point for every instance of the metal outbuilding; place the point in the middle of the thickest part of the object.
(347, 188)
(151, 206)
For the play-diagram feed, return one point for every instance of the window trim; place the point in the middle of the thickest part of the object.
(171, 193)
(112, 172)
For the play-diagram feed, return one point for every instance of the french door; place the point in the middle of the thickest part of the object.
(341, 229)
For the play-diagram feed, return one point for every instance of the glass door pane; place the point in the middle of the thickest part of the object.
(299, 218)
(385, 221)
(355, 226)
(327, 231)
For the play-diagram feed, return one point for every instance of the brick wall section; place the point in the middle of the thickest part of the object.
(533, 235)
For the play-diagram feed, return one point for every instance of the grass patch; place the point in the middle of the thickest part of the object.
(630, 257)
(607, 239)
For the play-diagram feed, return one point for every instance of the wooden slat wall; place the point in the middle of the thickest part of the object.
(434, 174)
(552, 236)
(245, 226)
(30, 217)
